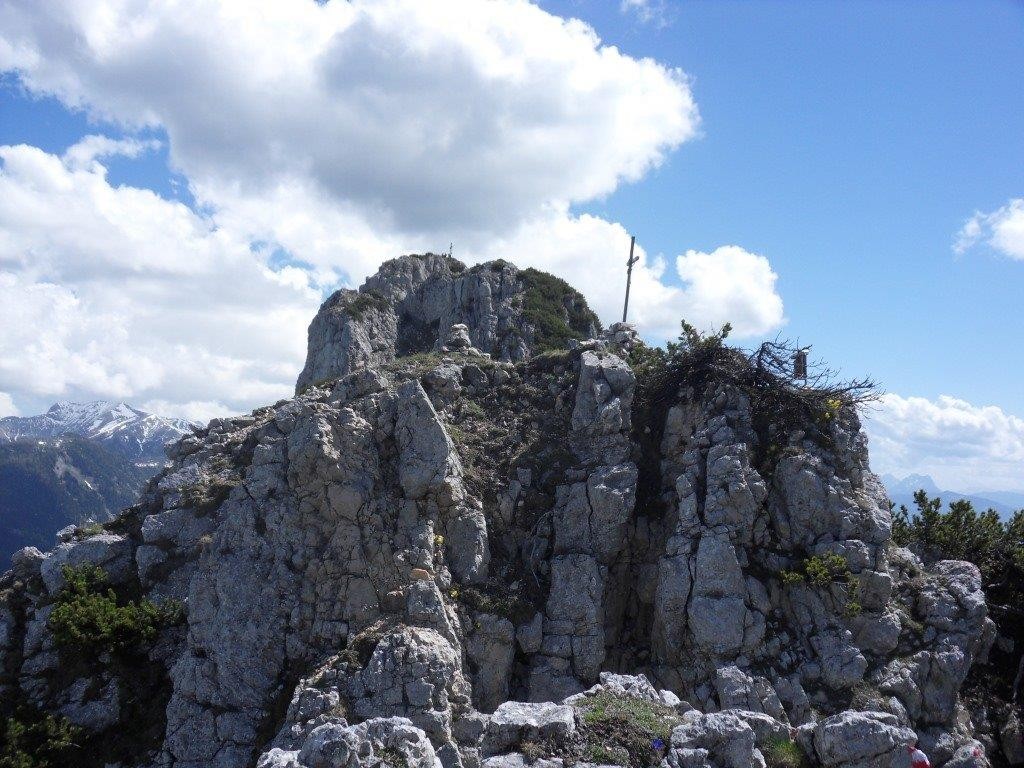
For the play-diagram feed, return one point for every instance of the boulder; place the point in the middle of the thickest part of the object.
(862, 740)
(109, 551)
(375, 742)
(714, 740)
(514, 722)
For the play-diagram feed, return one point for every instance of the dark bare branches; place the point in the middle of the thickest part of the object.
(697, 361)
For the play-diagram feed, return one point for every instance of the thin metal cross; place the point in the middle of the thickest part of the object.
(629, 274)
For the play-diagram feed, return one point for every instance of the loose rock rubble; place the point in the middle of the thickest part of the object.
(439, 553)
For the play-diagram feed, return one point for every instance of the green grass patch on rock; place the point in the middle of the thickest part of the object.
(625, 727)
(363, 302)
(783, 753)
(392, 757)
(219, 479)
(603, 754)
(556, 310)
(413, 366)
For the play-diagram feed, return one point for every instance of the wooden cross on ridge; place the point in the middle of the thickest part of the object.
(629, 274)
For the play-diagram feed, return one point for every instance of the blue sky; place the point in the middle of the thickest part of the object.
(848, 142)
(257, 157)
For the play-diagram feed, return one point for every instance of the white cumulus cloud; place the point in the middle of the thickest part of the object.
(96, 147)
(1002, 230)
(328, 137)
(425, 116)
(963, 446)
(115, 292)
(732, 285)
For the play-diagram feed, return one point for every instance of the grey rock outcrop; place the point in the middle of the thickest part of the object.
(514, 722)
(447, 559)
(425, 302)
(715, 740)
(863, 739)
(374, 742)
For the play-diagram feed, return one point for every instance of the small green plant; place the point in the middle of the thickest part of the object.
(208, 495)
(394, 758)
(692, 340)
(89, 529)
(853, 606)
(472, 410)
(817, 570)
(791, 578)
(783, 753)
(87, 615)
(496, 602)
(822, 570)
(831, 409)
(33, 740)
(911, 624)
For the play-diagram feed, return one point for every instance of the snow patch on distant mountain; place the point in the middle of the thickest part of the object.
(135, 434)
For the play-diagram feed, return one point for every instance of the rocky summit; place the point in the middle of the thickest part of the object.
(413, 302)
(472, 541)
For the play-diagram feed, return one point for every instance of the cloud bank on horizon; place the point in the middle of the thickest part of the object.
(318, 140)
(967, 447)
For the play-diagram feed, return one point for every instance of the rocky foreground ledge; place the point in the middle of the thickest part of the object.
(620, 720)
(459, 547)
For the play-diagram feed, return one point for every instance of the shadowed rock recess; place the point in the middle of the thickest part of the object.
(438, 554)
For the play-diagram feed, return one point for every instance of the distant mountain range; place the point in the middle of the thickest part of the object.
(135, 434)
(76, 462)
(901, 491)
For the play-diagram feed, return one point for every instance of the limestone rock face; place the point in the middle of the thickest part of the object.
(449, 559)
(429, 302)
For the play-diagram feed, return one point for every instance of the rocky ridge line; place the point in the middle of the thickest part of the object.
(444, 559)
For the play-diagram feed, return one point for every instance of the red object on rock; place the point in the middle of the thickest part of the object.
(918, 759)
